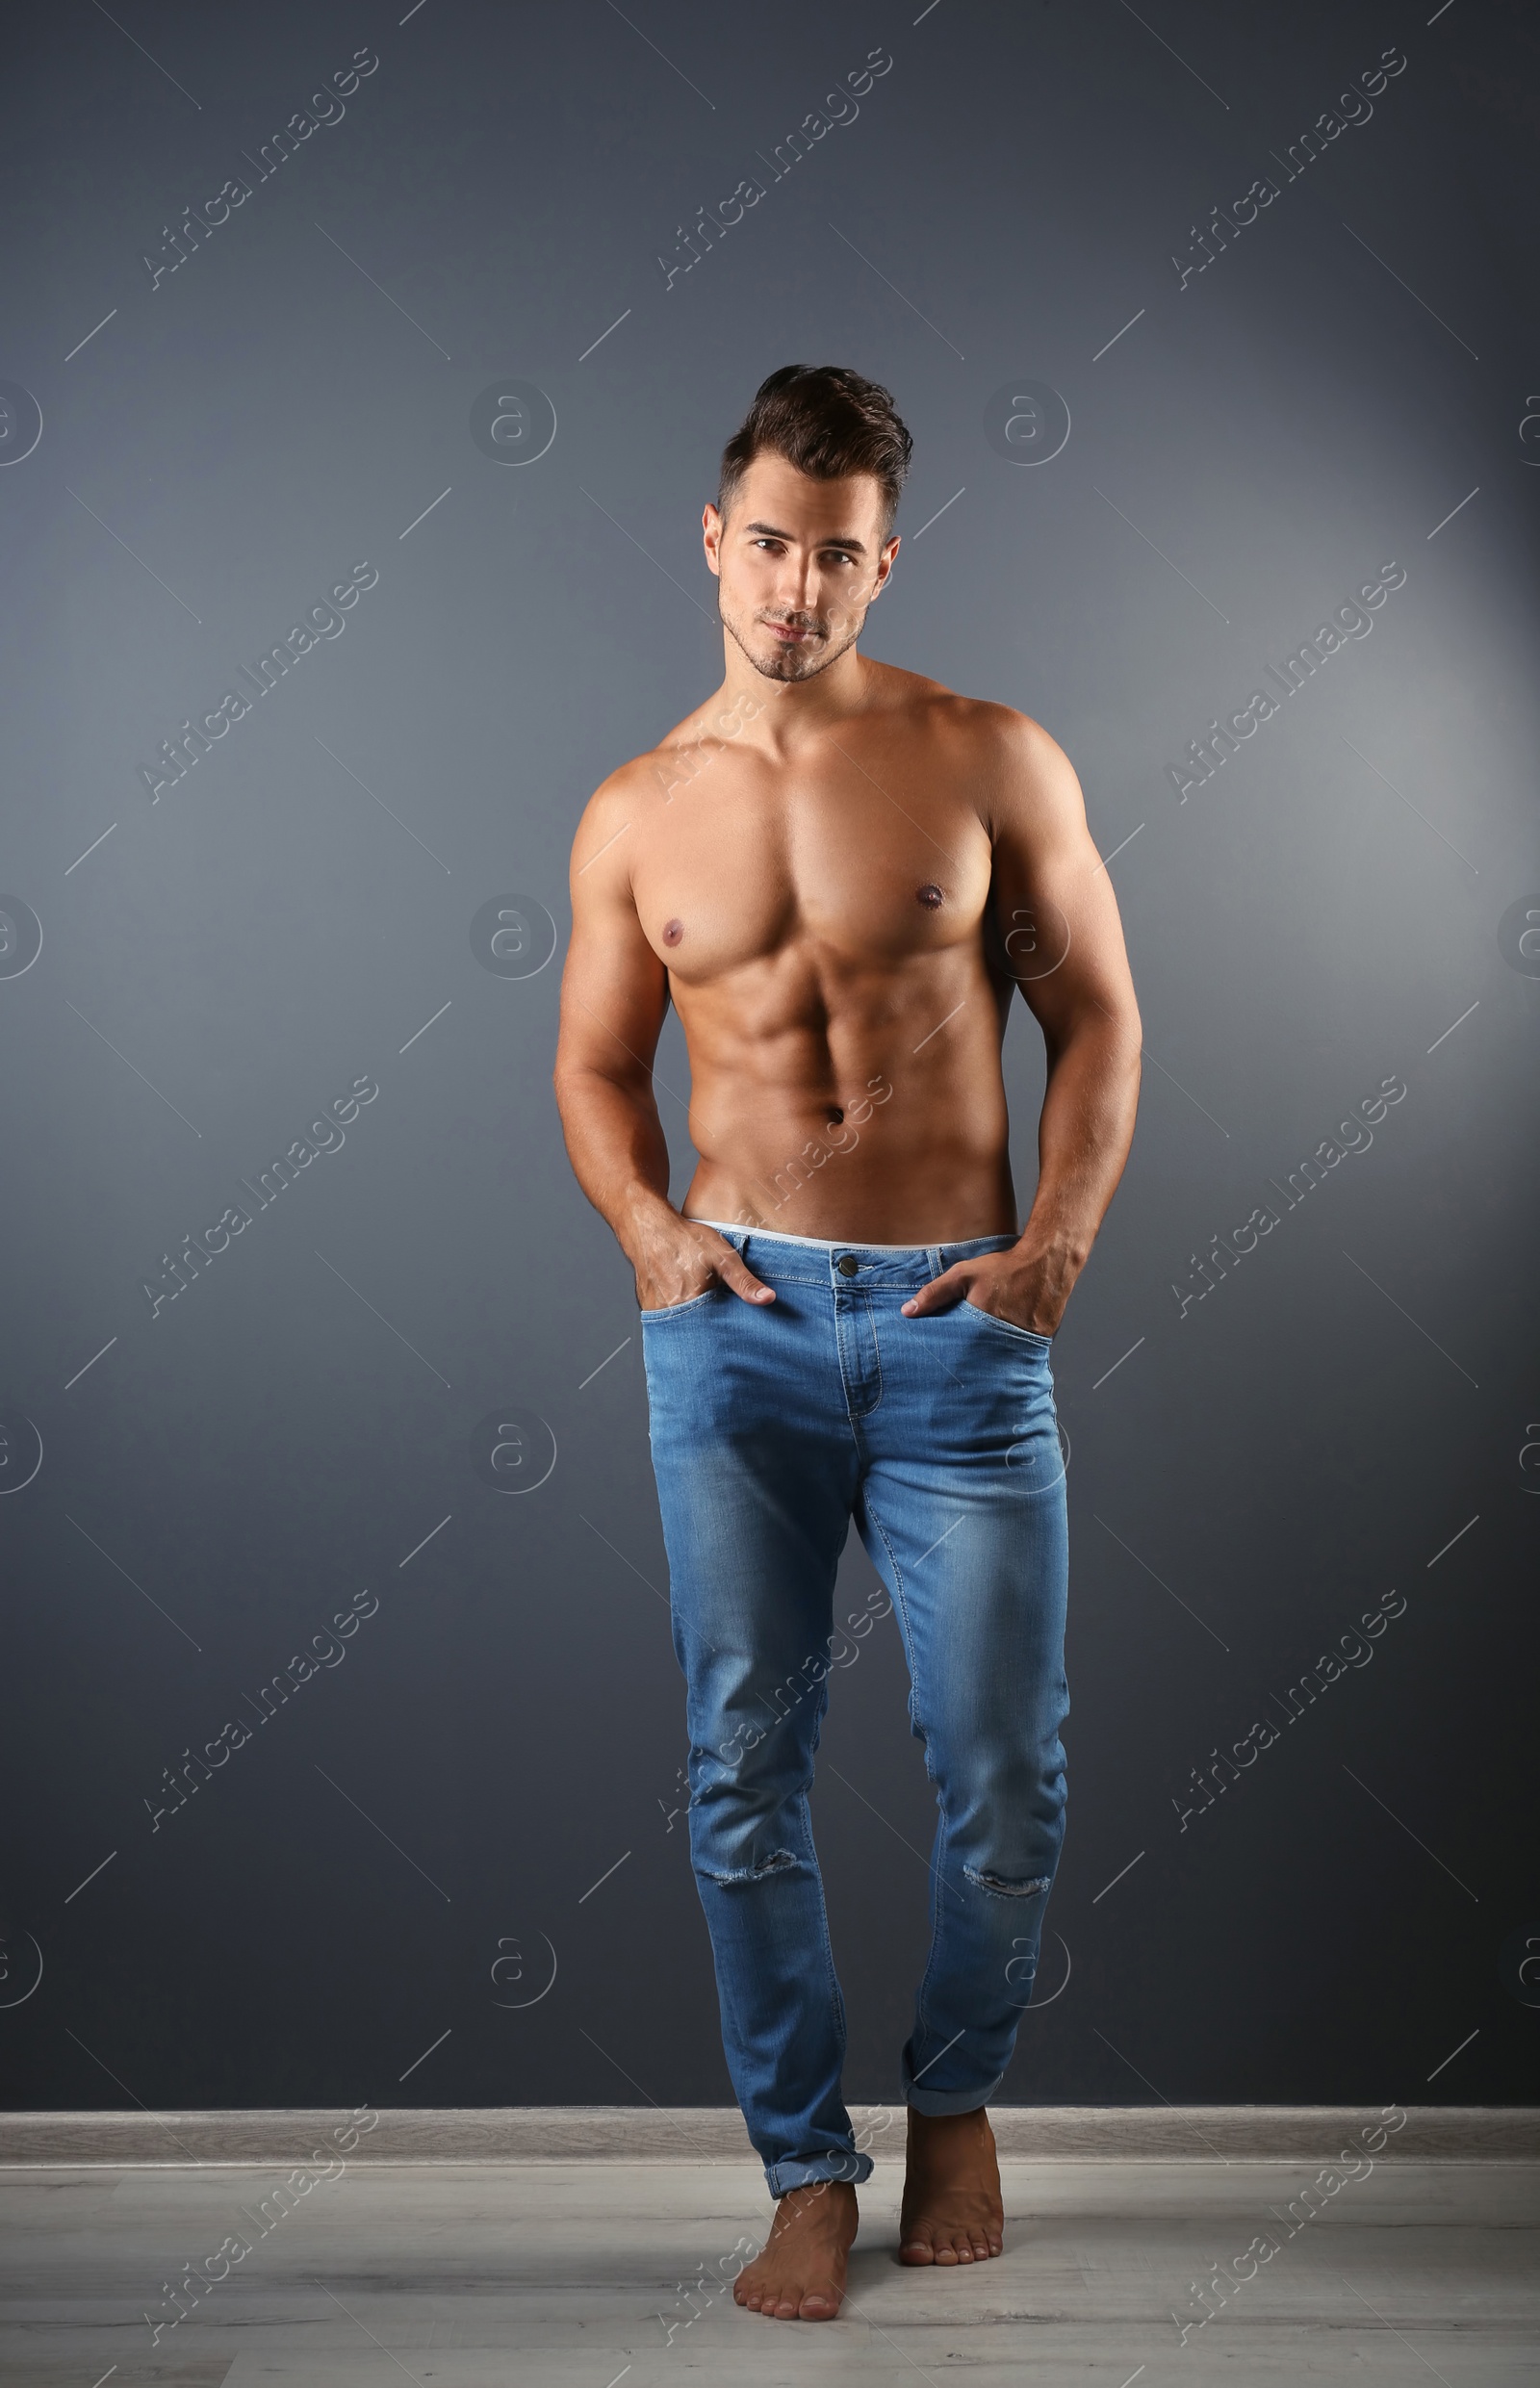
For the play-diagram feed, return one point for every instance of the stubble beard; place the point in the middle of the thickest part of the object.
(791, 663)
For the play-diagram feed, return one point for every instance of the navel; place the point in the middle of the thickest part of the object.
(673, 930)
(930, 895)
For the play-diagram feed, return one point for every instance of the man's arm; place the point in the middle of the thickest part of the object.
(1057, 920)
(614, 995)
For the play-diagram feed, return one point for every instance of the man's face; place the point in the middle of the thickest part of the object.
(798, 562)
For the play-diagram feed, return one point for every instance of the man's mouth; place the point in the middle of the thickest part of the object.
(791, 633)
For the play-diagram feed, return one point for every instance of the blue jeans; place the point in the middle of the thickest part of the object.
(772, 1425)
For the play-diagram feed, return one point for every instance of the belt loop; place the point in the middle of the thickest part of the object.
(933, 1253)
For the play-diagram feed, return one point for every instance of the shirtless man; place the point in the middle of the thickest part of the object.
(840, 872)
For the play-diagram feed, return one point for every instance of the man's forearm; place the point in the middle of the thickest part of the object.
(618, 1151)
(1083, 1135)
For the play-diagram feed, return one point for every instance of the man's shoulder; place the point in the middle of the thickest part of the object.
(627, 787)
(630, 798)
(616, 805)
(657, 769)
(987, 733)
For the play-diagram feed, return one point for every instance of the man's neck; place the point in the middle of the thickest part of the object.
(784, 714)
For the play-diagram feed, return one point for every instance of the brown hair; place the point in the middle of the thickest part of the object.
(828, 421)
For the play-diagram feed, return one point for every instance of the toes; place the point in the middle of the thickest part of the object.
(965, 2245)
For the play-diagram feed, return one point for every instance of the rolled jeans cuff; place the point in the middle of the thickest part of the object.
(833, 2164)
(947, 2101)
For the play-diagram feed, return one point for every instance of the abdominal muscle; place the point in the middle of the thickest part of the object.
(920, 1154)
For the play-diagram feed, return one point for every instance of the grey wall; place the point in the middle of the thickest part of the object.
(402, 1859)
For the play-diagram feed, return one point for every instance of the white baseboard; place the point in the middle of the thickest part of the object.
(715, 2135)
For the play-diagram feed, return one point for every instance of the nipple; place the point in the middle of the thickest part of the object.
(930, 895)
(673, 930)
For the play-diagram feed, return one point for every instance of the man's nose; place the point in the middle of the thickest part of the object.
(796, 586)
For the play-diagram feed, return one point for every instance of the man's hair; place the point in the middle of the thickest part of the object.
(828, 421)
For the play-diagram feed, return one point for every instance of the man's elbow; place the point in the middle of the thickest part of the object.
(1116, 1012)
(1107, 1020)
(577, 1075)
(568, 1080)
(1131, 1049)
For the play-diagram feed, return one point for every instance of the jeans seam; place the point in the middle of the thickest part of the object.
(877, 1355)
(911, 1654)
(864, 1306)
(819, 1710)
(922, 2014)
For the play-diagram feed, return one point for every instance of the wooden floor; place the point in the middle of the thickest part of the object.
(584, 2272)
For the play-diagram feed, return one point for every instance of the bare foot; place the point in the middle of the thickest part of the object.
(799, 2274)
(952, 2210)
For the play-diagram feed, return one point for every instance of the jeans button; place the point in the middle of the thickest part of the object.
(846, 1267)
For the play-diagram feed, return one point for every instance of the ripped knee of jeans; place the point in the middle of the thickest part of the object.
(1004, 1889)
(777, 1862)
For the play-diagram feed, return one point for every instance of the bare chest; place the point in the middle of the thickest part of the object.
(745, 862)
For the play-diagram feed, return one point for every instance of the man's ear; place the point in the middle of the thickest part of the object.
(712, 529)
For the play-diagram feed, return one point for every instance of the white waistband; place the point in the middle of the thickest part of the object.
(838, 1244)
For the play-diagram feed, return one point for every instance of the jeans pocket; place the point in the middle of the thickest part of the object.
(677, 1309)
(1009, 1326)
